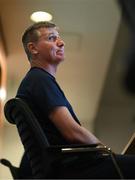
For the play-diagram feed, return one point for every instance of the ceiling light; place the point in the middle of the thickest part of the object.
(40, 16)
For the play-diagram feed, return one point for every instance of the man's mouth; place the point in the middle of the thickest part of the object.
(60, 52)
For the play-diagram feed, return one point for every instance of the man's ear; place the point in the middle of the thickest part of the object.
(32, 48)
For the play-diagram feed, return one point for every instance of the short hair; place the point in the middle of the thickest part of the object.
(31, 35)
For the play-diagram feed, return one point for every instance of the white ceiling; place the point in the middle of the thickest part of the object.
(89, 28)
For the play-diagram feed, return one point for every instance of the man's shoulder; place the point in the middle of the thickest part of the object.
(37, 74)
(34, 79)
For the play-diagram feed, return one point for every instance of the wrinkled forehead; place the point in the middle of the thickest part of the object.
(46, 31)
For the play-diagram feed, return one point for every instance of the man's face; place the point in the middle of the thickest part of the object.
(50, 46)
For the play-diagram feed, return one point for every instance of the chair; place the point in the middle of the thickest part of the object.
(42, 155)
(14, 170)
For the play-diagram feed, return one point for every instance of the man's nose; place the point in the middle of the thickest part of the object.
(60, 42)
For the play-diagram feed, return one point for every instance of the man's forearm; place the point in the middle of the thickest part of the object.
(86, 137)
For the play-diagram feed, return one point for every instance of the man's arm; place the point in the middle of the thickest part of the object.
(69, 128)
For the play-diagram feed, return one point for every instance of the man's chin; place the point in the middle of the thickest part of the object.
(60, 59)
(57, 61)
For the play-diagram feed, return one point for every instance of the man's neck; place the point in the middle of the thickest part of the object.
(47, 67)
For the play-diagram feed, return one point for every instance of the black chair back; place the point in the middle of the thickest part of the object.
(32, 136)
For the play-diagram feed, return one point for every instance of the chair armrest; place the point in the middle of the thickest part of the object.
(78, 148)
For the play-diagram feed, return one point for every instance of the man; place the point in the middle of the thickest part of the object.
(45, 50)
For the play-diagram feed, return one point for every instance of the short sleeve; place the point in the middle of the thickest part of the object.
(46, 92)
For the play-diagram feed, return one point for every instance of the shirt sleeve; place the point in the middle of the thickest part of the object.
(47, 93)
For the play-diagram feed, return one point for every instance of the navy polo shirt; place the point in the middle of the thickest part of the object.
(42, 93)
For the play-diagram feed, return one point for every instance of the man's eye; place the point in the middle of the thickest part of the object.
(52, 38)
